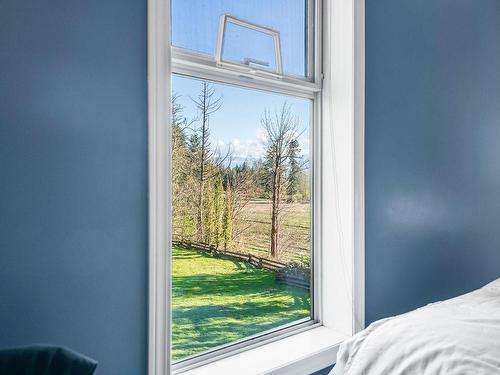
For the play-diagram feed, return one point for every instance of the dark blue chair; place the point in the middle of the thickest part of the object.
(44, 360)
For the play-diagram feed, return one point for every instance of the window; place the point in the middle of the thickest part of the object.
(242, 175)
(241, 214)
(195, 25)
(249, 166)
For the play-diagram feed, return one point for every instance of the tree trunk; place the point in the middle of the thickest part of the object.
(200, 219)
(275, 214)
(201, 182)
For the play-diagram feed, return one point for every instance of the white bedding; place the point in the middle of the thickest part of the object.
(459, 336)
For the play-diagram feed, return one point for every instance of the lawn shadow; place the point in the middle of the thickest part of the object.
(198, 328)
(215, 305)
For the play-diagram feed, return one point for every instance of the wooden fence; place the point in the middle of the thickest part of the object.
(259, 262)
(293, 280)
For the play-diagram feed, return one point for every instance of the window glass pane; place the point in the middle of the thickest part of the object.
(249, 47)
(195, 25)
(241, 213)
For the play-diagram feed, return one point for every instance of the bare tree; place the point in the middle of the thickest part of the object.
(239, 185)
(209, 159)
(282, 130)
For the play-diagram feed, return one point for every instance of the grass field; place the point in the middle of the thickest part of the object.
(217, 301)
(296, 228)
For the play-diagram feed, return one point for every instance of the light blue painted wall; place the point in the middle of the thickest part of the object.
(73, 178)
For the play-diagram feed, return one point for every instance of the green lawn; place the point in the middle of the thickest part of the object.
(217, 301)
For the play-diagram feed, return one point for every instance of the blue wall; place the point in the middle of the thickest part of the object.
(73, 175)
(432, 150)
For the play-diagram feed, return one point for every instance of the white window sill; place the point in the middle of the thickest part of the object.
(300, 354)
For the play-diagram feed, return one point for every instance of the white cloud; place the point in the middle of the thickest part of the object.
(261, 135)
(242, 149)
(252, 149)
(249, 149)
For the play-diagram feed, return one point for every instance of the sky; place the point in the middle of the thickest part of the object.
(237, 123)
(195, 24)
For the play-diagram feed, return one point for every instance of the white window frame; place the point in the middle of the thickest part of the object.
(338, 159)
(219, 60)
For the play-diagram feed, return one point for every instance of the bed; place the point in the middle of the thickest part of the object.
(460, 336)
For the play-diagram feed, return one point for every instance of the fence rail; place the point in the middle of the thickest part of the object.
(256, 261)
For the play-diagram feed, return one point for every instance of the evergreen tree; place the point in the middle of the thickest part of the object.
(194, 145)
(214, 212)
(182, 194)
(207, 104)
(209, 213)
(295, 170)
(227, 221)
(218, 213)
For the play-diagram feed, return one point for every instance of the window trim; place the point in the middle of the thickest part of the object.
(358, 77)
(240, 346)
(159, 187)
(344, 78)
(299, 354)
(190, 63)
(343, 169)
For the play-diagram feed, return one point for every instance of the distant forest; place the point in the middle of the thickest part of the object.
(211, 191)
